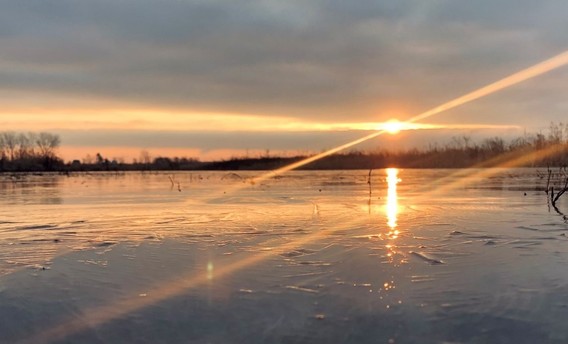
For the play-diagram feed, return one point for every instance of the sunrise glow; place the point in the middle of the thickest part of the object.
(283, 171)
(393, 126)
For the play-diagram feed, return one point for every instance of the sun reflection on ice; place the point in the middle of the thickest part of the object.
(210, 268)
(392, 256)
(392, 201)
(392, 211)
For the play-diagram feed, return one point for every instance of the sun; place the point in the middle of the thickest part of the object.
(392, 126)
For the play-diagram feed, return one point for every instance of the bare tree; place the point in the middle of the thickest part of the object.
(47, 144)
(2, 148)
(25, 144)
(495, 145)
(88, 159)
(560, 181)
(556, 133)
(10, 143)
(460, 142)
(145, 157)
(100, 159)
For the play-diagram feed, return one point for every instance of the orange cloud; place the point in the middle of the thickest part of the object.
(127, 154)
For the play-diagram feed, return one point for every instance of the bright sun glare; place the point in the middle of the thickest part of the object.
(392, 127)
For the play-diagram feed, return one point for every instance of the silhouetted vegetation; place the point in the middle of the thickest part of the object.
(528, 151)
(29, 152)
(100, 163)
(36, 152)
(556, 187)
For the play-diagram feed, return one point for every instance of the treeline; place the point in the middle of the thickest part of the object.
(538, 150)
(29, 152)
(37, 152)
(100, 163)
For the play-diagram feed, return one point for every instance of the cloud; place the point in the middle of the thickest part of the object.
(212, 140)
(332, 60)
(292, 142)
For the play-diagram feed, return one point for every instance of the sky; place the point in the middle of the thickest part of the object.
(222, 78)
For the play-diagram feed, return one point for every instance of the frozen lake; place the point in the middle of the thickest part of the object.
(428, 256)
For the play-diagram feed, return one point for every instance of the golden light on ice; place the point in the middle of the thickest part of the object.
(526, 74)
(164, 290)
(392, 199)
(210, 268)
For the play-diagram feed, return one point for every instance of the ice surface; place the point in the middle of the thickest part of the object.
(303, 258)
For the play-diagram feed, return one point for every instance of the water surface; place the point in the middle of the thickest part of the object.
(429, 256)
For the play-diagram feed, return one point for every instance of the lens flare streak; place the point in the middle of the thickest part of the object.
(526, 74)
(106, 313)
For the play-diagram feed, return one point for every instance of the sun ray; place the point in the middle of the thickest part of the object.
(102, 314)
(490, 168)
(526, 74)
(106, 313)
